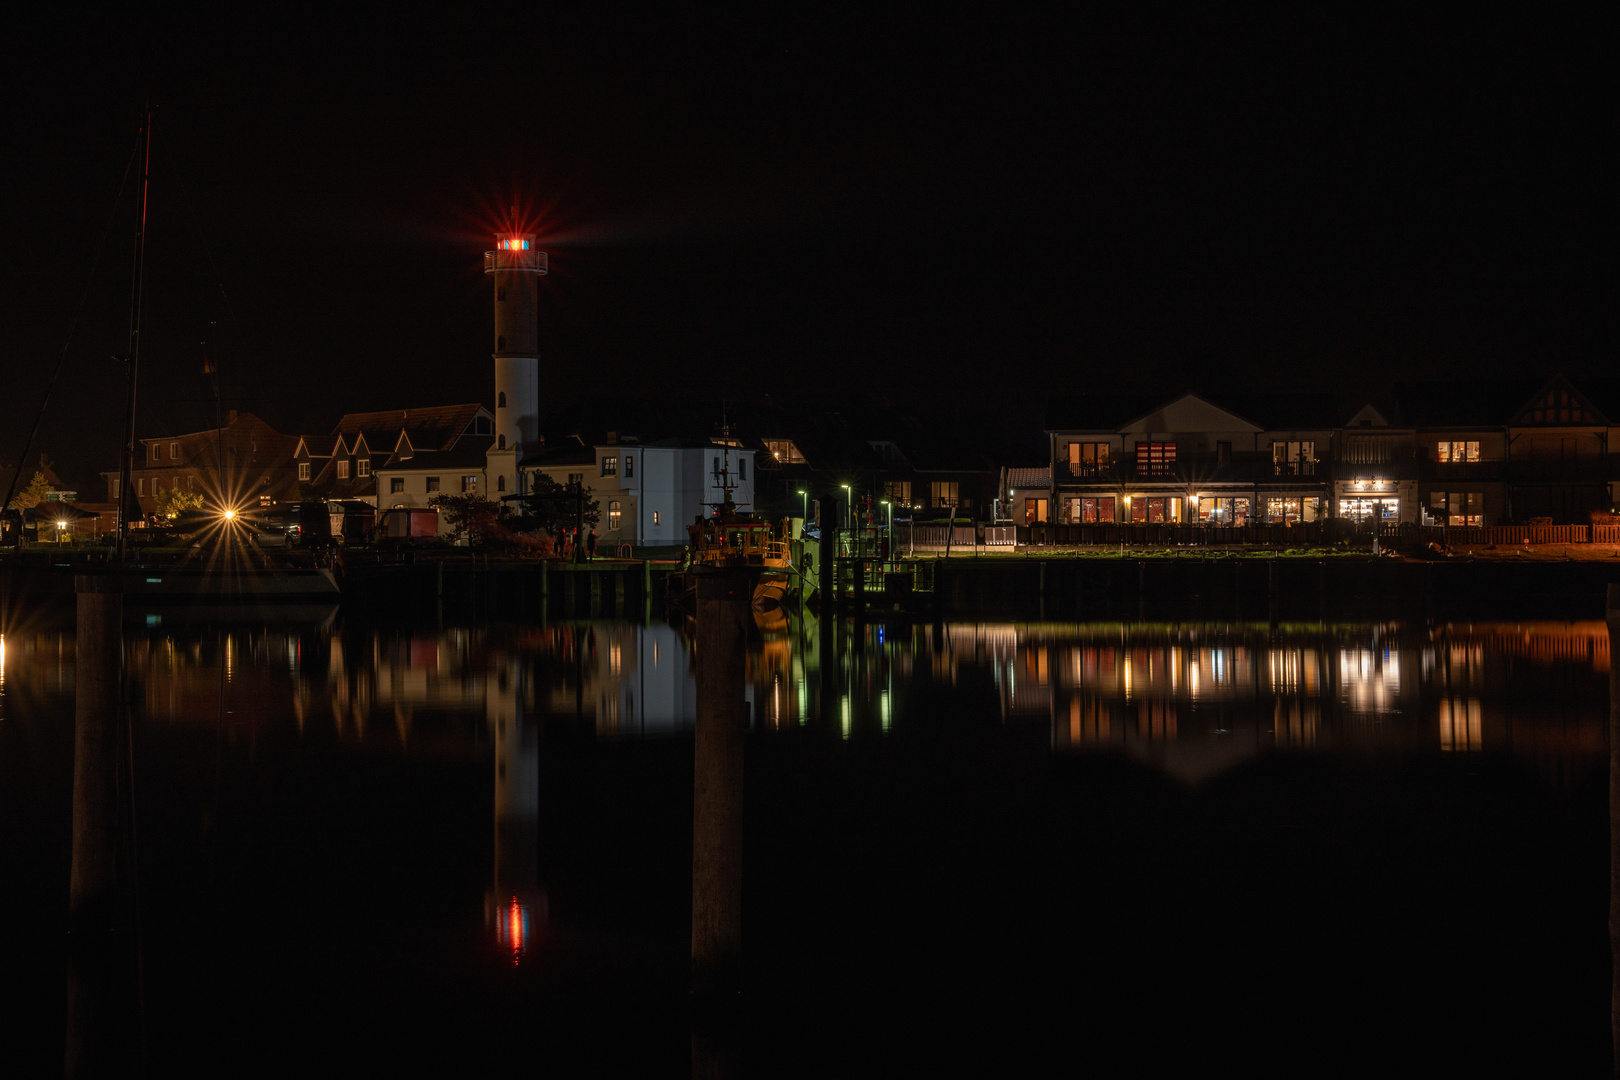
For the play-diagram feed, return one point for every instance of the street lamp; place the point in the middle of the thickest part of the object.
(849, 504)
(890, 507)
(61, 531)
(805, 516)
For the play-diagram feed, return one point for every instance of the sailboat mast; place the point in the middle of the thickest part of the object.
(134, 359)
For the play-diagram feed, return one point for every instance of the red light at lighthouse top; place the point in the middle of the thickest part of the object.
(515, 253)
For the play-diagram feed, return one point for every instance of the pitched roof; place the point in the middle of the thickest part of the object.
(1098, 412)
(1462, 403)
(468, 453)
(435, 428)
(1030, 478)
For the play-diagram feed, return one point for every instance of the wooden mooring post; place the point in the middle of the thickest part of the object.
(1612, 611)
(723, 605)
(103, 1001)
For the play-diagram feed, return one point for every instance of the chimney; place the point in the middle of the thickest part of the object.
(612, 438)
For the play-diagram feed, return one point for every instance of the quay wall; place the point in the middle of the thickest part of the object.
(1280, 589)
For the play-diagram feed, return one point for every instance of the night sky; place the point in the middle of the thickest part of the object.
(922, 209)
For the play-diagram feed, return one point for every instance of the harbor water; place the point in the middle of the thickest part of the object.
(1103, 845)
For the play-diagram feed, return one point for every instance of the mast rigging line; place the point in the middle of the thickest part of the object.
(73, 325)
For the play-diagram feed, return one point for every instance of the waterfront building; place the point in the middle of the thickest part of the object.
(243, 463)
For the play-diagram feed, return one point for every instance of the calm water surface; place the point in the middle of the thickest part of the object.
(1103, 844)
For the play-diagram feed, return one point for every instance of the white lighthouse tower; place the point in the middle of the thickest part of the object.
(516, 267)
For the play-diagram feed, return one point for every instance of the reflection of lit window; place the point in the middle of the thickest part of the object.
(1460, 726)
(615, 658)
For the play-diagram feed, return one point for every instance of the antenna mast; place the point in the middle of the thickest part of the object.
(134, 358)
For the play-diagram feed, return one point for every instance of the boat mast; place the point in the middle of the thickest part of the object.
(134, 357)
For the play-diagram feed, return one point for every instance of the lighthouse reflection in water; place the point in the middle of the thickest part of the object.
(1189, 700)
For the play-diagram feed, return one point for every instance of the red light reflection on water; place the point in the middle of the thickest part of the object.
(512, 929)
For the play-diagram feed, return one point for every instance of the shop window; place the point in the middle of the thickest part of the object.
(1223, 511)
(1155, 509)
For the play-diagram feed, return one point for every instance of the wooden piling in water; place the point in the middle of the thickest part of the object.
(1612, 612)
(723, 597)
(102, 1002)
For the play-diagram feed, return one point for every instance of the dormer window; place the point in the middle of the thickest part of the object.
(343, 469)
(303, 470)
(364, 466)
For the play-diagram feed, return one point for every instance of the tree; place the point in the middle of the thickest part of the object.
(470, 515)
(552, 507)
(34, 493)
(174, 502)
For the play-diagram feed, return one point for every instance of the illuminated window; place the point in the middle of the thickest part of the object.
(1293, 458)
(396, 485)
(1466, 508)
(610, 466)
(1035, 511)
(613, 513)
(1155, 458)
(945, 493)
(1456, 453)
(469, 484)
(303, 470)
(784, 451)
(1088, 458)
(431, 484)
(343, 468)
(1157, 510)
(1219, 511)
(656, 517)
(363, 467)
(898, 491)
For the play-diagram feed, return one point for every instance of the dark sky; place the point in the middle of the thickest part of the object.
(924, 207)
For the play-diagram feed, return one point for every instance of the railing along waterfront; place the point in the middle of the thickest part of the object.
(1177, 534)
